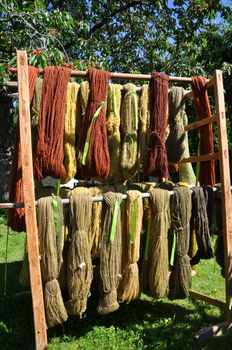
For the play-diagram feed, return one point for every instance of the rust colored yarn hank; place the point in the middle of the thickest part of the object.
(16, 216)
(98, 159)
(202, 107)
(49, 152)
(156, 163)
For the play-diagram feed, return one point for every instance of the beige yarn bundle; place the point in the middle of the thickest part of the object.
(113, 130)
(50, 250)
(110, 253)
(95, 229)
(79, 269)
(159, 261)
(129, 127)
(129, 288)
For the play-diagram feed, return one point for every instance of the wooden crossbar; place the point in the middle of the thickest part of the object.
(203, 158)
(119, 75)
(199, 123)
(208, 299)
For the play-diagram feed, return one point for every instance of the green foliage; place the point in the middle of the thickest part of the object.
(177, 37)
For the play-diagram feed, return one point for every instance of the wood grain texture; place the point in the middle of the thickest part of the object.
(225, 186)
(29, 199)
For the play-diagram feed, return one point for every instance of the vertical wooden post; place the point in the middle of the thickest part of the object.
(29, 199)
(225, 186)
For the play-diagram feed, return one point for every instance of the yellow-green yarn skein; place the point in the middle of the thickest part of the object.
(83, 101)
(186, 173)
(113, 129)
(69, 131)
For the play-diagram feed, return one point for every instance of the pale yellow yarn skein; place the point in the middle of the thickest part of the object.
(144, 125)
(69, 131)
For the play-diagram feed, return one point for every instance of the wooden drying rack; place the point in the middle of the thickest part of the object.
(29, 195)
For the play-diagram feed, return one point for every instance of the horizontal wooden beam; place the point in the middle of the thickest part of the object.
(202, 122)
(203, 158)
(118, 75)
(208, 299)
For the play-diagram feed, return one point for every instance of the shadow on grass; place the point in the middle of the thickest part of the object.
(16, 317)
(159, 324)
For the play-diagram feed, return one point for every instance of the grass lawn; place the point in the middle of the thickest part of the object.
(142, 324)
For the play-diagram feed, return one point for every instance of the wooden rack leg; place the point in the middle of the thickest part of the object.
(29, 199)
(225, 186)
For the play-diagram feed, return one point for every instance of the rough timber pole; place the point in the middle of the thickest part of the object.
(29, 199)
(225, 186)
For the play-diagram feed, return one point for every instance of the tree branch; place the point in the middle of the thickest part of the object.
(125, 7)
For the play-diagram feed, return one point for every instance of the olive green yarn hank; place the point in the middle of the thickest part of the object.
(129, 287)
(83, 101)
(79, 268)
(113, 130)
(144, 125)
(180, 278)
(158, 259)
(110, 254)
(129, 127)
(35, 108)
(175, 142)
(50, 250)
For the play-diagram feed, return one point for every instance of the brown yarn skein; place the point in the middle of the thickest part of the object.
(156, 161)
(98, 159)
(49, 153)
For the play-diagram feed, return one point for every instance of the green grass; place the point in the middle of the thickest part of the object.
(142, 324)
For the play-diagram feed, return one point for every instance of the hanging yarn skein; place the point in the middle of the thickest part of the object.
(156, 161)
(199, 221)
(202, 107)
(16, 216)
(50, 249)
(159, 263)
(129, 128)
(110, 253)
(113, 130)
(69, 131)
(82, 105)
(186, 173)
(180, 278)
(176, 137)
(144, 125)
(79, 268)
(93, 139)
(129, 288)
(49, 152)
